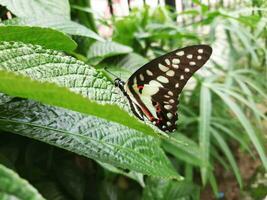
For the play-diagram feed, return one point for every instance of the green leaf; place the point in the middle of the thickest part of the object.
(46, 65)
(160, 189)
(232, 134)
(60, 24)
(132, 62)
(204, 129)
(45, 37)
(224, 147)
(133, 175)
(29, 8)
(244, 121)
(89, 136)
(107, 49)
(13, 186)
(189, 153)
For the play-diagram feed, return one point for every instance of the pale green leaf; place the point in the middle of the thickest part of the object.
(204, 129)
(12, 186)
(60, 24)
(45, 37)
(33, 8)
(107, 49)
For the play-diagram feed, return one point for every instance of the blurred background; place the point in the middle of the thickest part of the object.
(222, 111)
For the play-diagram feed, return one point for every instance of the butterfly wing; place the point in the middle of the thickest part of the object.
(156, 86)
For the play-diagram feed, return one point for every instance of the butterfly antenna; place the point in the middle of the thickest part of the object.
(105, 68)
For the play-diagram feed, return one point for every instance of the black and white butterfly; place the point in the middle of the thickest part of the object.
(153, 90)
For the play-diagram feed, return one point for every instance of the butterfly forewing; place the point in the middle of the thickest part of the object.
(155, 87)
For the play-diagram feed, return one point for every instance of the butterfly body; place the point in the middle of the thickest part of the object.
(153, 90)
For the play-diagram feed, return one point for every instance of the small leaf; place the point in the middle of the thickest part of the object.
(13, 186)
(45, 37)
(107, 49)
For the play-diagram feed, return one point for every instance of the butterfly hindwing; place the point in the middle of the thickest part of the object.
(156, 86)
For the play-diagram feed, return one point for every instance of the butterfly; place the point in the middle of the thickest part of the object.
(153, 90)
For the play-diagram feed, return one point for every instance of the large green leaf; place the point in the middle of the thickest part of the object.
(45, 37)
(88, 136)
(14, 187)
(32, 8)
(46, 65)
(61, 24)
(54, 95)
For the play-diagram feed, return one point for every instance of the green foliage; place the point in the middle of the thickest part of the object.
(52, 14)
(22, 8)
(44, 65)
(45, 37)
(163, 189)
(88, 136)
(54, 95)
(102, 50)
(220, 111)
(14, 187)
(61, 24)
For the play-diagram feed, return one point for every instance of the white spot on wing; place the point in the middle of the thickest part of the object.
(189, 56)
(152, 88)
(175, 66)
(177, 85)
(199, 57)
(200, 50)
(169, 123)
(162, 79)
(180, 53)
(182, 77)
(167, 61)
(171, 101)
(167, 107)
(169, 115)
(149, 73)
(166, 96)
(176, 61)
(154, 83)
(170, 73)
(192, 63)
(163, 68)
(141, 77)
(170, 93)
(187, 70)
